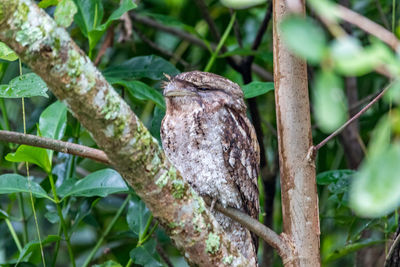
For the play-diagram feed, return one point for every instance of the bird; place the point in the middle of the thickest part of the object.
(207, 136)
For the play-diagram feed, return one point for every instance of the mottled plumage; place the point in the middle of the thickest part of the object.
(207, 136)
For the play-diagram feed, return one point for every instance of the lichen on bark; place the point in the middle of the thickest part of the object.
(49, 51)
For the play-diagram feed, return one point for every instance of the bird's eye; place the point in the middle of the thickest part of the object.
(203, 89)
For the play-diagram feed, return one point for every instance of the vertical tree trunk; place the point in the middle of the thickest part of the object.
(299, 191)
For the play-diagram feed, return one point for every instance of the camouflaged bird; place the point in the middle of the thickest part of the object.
(207, 136)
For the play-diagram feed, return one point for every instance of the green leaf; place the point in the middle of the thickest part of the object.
(328, 177)
(108, 264)
(152, 67)
(241, 4)
(329, 104)
(350, 58)
(375, 191)
(47, 3)
(35, 155)
(137, 216)
(256, 88)
(15, 183)
(6, 53)
(158, 115)
(100, 183)
(89, 15)
(27, 85)
(350, 248)
(53, 121)
(304, 37)
(146, 255)
(142, 91)
(65, 12)
(34, 246)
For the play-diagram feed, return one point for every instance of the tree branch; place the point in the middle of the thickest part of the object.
(253, 225)
(368, 26)
(56, 145)
(282, 245)
(347, 123)
(49, 51)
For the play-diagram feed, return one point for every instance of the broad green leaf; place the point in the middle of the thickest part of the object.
(47, 3)
(35, 155)
(100, 183)
(241, 4)
(152, 67)
(6, 53)
(137, 216)
(256, 88)
(15, 183)
(89, 15)
(381, 136)
(65, 12)
(304, 37)
(350, 58)
(146, 255)
(53, 121)
(158, 115)
(328, 177)
(142, 91)
(108, 264)
(375, 190)
(350, 248)
(27, 85)
(34, 246)
(329, 104)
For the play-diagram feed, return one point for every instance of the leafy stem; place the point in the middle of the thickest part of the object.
(221, 43)
(62, 221)
(106, 232)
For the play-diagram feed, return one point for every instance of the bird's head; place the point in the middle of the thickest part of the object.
(202, 88)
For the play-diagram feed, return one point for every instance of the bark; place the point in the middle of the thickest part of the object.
(49, 51)
(299, 191)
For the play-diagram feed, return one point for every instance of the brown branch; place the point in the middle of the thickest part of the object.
(282, 245)
(108, 42)
(56, 145)
(355, 117)
(368, 26)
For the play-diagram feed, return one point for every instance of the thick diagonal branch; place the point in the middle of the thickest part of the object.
(49, 51)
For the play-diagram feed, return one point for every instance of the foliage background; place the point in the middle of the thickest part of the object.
(134, 56)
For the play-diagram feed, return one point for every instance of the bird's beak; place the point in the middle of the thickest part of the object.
(178, 92)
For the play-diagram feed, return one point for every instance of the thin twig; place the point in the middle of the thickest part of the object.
(391, 250)
(56, 145)
(108, 42)
(207, 17)
(368, 26)
(236, 30)
(158, 48)
(362, 111)
(164, 255)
